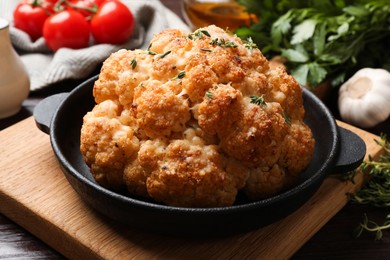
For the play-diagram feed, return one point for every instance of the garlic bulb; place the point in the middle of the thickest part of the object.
(364, 99)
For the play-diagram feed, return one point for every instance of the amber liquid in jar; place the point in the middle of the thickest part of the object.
(225, 14)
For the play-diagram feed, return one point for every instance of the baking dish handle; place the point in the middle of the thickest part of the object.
(45, 110)
(352, 150)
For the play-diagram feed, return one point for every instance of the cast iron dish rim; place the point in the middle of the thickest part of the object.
(321, 173)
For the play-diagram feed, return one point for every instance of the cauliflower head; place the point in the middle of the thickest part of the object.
(195, 119)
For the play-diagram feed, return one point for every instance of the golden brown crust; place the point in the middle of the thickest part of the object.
(195, 119)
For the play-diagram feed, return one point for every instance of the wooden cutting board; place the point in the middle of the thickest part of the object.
(35, 194)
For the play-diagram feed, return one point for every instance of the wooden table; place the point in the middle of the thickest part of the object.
(334, 240)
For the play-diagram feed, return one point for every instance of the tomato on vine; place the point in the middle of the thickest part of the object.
(68, 29)
(69, 23)
(29, 16)
(113, 23)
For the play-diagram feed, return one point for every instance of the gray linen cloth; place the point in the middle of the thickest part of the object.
(46, 68)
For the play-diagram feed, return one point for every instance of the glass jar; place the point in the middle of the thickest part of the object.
(227, 14)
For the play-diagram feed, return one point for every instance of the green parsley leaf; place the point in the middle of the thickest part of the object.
(300, 73)
(295, 55)
(303, 31)
(339, 36)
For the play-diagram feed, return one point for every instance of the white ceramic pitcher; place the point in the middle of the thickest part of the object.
(14, 80)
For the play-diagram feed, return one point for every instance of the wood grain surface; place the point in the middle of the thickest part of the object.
(35, 194)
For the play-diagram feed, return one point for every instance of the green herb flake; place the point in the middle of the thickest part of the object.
(151, 52)
(199, 35)
(223, 43)
(230, 45)
(133, 63)
(205, 33)
(214, 41)
(206, 50)
(181, 75)
(258, 100)
(164, 54)
(249, 44)
(209, 95)
(287, 118)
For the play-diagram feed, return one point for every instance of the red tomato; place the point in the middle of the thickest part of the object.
(100, 2)
(66, 29)
(113, 23)
(30, 17)
(53, 2)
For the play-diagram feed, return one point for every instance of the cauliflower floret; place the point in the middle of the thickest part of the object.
(198, 80)
(256, 139)
(135, 177)
(107, 145)
(195, 119)
(297, 148)
(264, 182)
(221, 108)
(286, 91)
(191, 175)
(249, 132)
(120, 74)
(159, 110)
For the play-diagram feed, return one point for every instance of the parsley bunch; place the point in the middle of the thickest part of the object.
(322, 40)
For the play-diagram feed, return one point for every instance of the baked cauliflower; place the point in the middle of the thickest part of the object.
(195, 119)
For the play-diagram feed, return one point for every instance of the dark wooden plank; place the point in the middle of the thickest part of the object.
(17, 243)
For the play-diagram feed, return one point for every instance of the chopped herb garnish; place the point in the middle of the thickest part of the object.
(230, 45)
(133, 63)
(199, 35)
(223, 43)
(249, 44)
(164, 54)
(214, 41)
(258, 100)
(209, 95)
(181, 75)
(208, 50)
(287, 118)
(151, 52)
(205, 33)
